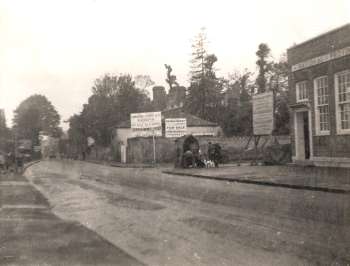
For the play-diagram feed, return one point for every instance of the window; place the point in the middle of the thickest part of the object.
(321, 105)
(302, 92)
(342, 88)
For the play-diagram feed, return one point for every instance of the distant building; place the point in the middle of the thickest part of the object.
(174, 99)
(159, 98)
(319, 81)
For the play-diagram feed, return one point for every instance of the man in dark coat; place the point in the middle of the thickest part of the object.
(217, 154)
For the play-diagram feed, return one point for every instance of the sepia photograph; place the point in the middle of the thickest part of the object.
(174, 133)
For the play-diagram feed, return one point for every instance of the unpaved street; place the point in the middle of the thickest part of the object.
(172, 220)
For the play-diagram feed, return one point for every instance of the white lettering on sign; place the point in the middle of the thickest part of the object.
(37, 148)
(263, 113)
(321, 59)
(175, 127)
(146, 124)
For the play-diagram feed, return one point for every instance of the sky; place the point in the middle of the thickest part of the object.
(59, 47)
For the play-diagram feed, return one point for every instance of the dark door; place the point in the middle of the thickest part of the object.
(306, 135)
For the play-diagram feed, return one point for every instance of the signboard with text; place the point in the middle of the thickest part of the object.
(37, 148)
(146, 124)
(175, 127)
(321, 59)
(263, 113)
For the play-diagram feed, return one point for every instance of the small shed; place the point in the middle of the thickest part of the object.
(195, 127)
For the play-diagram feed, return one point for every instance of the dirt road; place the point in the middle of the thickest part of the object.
(30, 234)
(172, 220)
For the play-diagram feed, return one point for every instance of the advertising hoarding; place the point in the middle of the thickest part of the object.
(175, 127)
(146, 124)
(263, 114)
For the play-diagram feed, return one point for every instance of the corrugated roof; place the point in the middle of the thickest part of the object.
(192, 121)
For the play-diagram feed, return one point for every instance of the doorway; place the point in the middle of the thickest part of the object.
(302, 135)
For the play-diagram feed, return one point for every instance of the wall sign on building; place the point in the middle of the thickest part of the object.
(175, 127)
(321, 59)
(146, 124)
(263, 113)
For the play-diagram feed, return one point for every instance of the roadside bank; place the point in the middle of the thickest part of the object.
(334, 180)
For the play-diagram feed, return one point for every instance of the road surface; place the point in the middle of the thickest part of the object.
(173, 220)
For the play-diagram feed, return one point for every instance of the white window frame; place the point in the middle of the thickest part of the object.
(297, 89)
(340, 131)
(318, 130)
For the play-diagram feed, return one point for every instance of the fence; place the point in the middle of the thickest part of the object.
(140, 150)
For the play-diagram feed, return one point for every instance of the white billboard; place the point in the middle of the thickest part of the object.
(175, 127)
(146, 124)
(263, 113)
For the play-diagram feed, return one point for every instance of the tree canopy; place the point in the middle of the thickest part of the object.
(35, 114)
(264, 66)
(114, 98)
(5, 134)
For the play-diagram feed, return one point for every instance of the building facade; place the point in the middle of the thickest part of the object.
(319, 81)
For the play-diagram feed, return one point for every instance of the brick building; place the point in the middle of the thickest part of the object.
(319, 83)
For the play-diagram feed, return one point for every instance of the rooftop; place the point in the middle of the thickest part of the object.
(192, 121)
(319, 36)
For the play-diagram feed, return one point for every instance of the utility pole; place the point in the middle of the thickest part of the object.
(154, 147)
(15, 150)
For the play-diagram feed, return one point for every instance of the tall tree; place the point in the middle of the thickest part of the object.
(199, 53)
(3, 127)
(77, 135)
(35, 114)
(278, 83)
(5, 134)
(264, 66)
(142, 82)
(237, 117)
(205, 91)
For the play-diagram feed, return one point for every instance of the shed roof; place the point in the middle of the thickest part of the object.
(192, 120)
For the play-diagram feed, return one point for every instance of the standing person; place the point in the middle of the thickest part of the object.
(188, 159)
(10, 161)
(2, 162)
(211, 151)
(178, 154)
(20, 161)
(217, 154)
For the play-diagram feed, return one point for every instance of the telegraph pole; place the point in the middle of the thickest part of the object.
(154, 147)
(15, 150)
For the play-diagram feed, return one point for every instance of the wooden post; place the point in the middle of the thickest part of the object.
(154, 149)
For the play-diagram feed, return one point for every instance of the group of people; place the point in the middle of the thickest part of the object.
(194, 157)
(10, 161)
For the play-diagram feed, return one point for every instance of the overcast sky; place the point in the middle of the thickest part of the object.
(57, 48)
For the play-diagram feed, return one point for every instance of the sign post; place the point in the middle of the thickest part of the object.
(263, 117)
(147, 125)
(154, 148)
